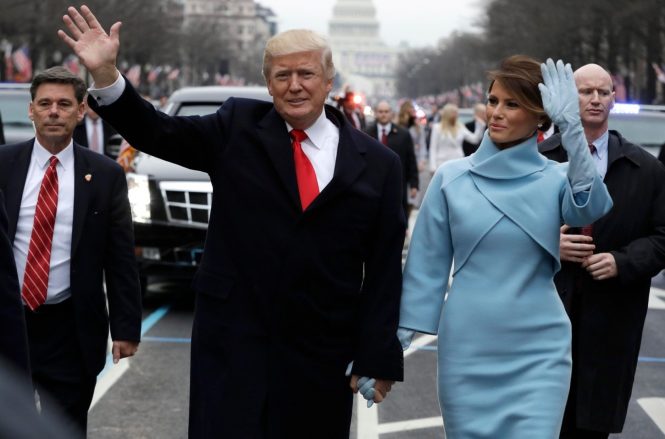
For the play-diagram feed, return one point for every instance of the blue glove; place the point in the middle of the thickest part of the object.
(561, 102)
(365, 386)
(405, 337)
(366, 389)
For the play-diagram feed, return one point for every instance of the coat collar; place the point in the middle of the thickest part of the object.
(515, 162)
(618, 147)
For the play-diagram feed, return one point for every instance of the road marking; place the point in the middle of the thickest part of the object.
(656, 298)
(112, 372)
(412, 424)
(167, 339)
(418, 343)
(651, 360)
(368, 418)
(655, 408)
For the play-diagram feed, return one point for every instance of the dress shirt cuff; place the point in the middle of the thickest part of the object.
(110, 94)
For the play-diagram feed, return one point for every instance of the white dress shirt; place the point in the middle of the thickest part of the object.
(89, 129)
(380, 129)
(600, 155)
(320, 147)
(61, 247)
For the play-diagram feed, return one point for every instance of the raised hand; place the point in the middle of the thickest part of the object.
(96, 49)
(559, 93)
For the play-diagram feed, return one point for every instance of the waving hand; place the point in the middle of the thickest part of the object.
(96, 49)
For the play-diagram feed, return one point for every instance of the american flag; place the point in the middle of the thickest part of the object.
(22, 64)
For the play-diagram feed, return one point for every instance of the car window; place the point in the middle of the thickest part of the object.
(643, 129)
(14, 109)
(197, 109)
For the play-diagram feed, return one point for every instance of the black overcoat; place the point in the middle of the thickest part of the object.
(285, 298)
(608, 316)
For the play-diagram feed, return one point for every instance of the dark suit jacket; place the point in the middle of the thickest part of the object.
(400, 141)
(102, 247)
(468, 147)
(608, 316)
(81, 135)
(307, 292)
(13, 341)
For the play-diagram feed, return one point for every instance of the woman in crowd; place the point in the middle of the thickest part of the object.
(447, 137)
(407, 119)
(504, 339)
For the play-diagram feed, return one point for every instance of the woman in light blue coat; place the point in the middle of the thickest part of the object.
(492, 220)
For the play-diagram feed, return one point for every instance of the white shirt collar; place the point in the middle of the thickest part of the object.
(387, 127)
(42, 156)
(316, 133)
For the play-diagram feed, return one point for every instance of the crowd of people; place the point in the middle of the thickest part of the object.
(301, 283)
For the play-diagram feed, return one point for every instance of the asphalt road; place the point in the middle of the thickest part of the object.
(147, 396)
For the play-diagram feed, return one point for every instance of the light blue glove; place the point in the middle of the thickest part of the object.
(561, 102)
(405, 337)
(365, 385)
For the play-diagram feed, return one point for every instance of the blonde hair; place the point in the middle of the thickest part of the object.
(404, 114)
(295, 41)
(449, 122)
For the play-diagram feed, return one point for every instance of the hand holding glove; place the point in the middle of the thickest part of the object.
(561, 102)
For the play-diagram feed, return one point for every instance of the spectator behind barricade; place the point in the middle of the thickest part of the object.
(478, 114)
(447, 137)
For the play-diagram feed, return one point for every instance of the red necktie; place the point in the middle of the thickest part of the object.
(37, 267)
(541, 136)
(384, 136)
(307, 184)
(588, 230)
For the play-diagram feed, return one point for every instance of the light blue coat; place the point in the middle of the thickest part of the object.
(493, 218)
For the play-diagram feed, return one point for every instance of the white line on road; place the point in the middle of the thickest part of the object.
(657, 298)
(109, 378)
(368, 418)
(411, 424)
(655, 408)
(112, 372)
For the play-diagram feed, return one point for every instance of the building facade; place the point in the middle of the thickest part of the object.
(363, 60)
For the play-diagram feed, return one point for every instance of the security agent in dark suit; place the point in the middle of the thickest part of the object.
(606, 269)
(83, 133)
(92, 241)
(289, 291)
(13, 338)
(400, 141)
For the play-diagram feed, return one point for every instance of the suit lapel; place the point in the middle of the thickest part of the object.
(349, 164)
(276, 142)
(18, 171)
(613, 151)
(82, 192)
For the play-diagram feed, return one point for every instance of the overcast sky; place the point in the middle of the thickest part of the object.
(418, 22)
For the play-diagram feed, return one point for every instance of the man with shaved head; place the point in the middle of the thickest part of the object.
(607, 266)
(400, 141)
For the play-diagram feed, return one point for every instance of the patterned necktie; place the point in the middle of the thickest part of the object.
(35, 281)
(588, 229)
(384, 136)
(308, 187)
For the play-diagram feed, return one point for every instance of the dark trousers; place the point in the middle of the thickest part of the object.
(58, 372)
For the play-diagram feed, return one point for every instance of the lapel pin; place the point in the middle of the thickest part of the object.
(88, 177)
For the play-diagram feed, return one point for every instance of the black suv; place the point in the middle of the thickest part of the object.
(171, 204)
